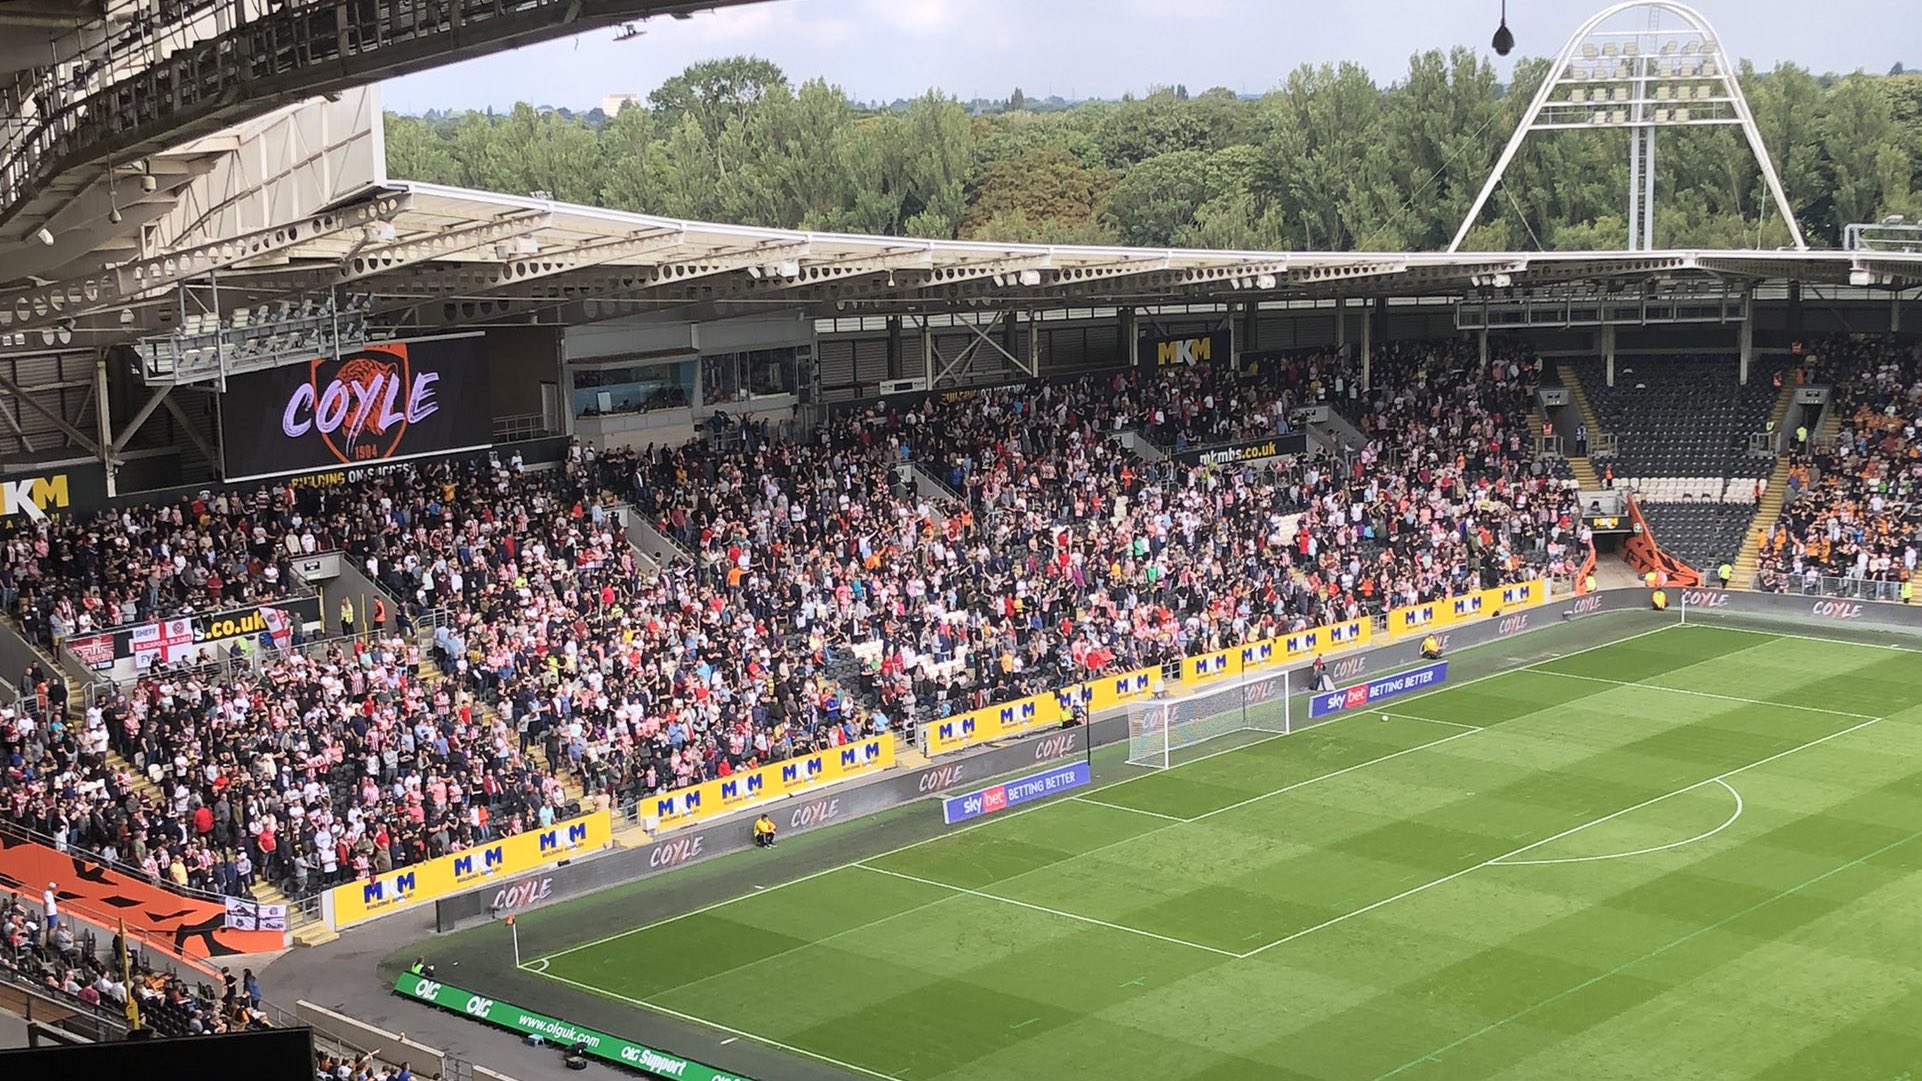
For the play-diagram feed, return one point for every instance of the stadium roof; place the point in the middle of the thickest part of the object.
(428, 256)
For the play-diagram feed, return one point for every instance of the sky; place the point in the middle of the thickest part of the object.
(880, 50)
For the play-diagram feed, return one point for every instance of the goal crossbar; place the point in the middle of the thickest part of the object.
(1160, 729)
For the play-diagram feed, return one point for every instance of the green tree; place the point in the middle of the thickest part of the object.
(715, 92)
(1042, 184)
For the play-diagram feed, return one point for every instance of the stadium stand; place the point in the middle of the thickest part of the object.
(564, 672)
(1853, 521)
(75, 965)
(88, 573)
(1683, 425)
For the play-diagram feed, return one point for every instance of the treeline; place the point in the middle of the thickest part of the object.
(1329, 160)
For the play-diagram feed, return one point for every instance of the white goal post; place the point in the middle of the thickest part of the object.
(1160, 729)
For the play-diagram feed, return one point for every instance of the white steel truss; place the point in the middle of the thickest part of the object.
(1629, 68)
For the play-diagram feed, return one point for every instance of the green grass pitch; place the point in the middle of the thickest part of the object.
(1694, 853)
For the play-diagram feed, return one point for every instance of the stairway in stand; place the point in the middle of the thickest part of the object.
(1584, 470)
(1748, 562)
(263, 892)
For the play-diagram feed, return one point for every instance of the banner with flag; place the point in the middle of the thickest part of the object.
(280, 627)
(245, 915)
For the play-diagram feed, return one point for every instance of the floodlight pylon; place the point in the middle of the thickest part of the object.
(1615, 74)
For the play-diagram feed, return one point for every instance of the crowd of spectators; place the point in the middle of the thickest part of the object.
(1058, 553)
(69, 961)
(1852, 520)
(77, 574)
(1041, 552)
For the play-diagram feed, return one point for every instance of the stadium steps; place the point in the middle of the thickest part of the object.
(1748, 562)
(314, 934)
(1579, 397)
(571, 785)
(1585, 474)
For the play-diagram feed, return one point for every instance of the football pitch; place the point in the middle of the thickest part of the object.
(1695, 852)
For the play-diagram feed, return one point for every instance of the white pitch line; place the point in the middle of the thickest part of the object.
(1125, 807)
(1325, 776)
(718, 1027)
(1435, 720)
(1050, 911)
(1816, 637)
(1532, 845)
(1701, 694)
(1640, 851)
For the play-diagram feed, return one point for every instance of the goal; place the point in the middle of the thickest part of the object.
(1160, 731)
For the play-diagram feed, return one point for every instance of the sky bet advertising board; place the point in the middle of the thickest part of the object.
(1364, 695)
(997, 798)
(385, 402)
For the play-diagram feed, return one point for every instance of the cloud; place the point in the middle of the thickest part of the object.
(918, 18)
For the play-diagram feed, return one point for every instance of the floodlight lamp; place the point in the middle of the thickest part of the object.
(148, 183)
(1031, 277)
(1265, 281)
(790, 269)
(1861, 278)
(1504, 41)
(44, 236)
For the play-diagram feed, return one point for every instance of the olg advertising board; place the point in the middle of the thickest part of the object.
(385, 402)
(557, 1032)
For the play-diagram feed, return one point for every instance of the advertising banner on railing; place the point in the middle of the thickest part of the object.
(558, 1033)
(1107, 691)
(1243, 450)
(386, 402)
(183, 639)
(749, 787)
(405, 887)
(1206, 667)
(1434, 615)
(995, 722)
(1315, 641)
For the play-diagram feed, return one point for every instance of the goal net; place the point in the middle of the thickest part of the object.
(1160, 731)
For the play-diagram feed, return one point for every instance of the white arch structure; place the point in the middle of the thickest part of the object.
(1614, 73)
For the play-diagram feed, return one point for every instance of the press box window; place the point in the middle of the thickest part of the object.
(633, 388)
(755, 373)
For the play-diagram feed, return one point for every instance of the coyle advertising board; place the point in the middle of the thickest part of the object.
(383, 403)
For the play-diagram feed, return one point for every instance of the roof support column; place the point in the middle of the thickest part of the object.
(103, 421)
(1367, 347)
(1034, 343)
(1130, 339)
(927, 352)
(1481, 347)
(1745, 334)
(1895, 312)
(1606, 344)
(894, 348)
